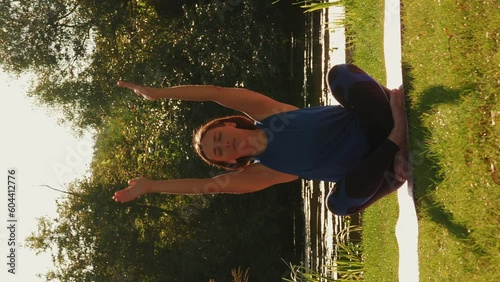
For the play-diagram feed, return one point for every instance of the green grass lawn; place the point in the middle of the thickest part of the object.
(451, 69)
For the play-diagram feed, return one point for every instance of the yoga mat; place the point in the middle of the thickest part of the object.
(407, 224)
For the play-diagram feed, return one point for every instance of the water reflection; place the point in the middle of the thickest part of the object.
(321, 226)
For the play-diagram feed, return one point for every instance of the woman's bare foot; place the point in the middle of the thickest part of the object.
(399, 134)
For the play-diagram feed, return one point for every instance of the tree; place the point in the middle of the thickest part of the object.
(78, 49)
(43, 34)
(96, 239)
(162, 237)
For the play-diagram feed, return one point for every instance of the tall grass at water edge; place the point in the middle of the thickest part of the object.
(347, 265)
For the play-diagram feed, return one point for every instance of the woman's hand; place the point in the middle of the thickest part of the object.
(399, 131)
(399, 135)
(146, 92)
(137, 187)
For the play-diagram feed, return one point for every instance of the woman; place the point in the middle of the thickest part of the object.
(360, 145)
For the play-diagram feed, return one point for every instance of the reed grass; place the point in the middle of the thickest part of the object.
(348, 264)
(240, 275)
(314, 5)
(311, 6)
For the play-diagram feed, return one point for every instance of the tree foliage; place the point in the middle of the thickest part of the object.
(162, 238)
(43, 34)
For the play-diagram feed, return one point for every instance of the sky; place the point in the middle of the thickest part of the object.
(42, 152)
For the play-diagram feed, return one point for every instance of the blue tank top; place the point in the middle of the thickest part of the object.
(321, 143)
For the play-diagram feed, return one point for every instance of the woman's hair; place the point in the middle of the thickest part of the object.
(241, 122)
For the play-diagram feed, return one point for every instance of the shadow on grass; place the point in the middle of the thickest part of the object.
(427, 171)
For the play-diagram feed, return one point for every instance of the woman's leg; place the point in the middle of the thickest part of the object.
(372, 172)
(373, 178)
(387, 187)
(361, 95)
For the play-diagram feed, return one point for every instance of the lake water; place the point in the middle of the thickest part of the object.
(323, 48)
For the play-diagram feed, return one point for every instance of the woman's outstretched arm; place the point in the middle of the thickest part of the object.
(253, 178)
(254, 104)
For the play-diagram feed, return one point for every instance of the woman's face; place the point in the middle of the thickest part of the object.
(222, 143)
